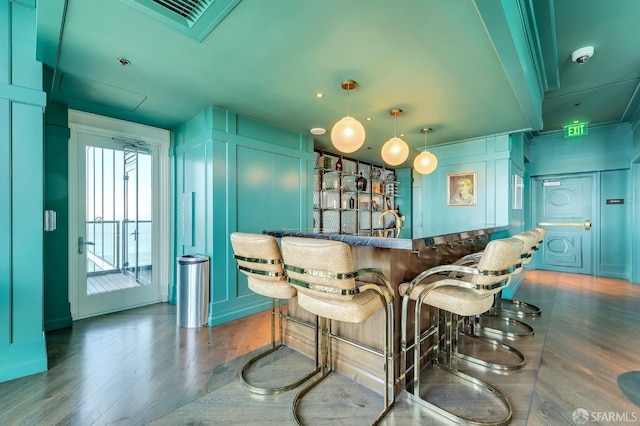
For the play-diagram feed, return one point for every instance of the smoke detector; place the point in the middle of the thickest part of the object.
(582, 55)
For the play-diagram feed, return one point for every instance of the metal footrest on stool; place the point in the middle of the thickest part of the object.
(511, 327)
(497, 345)
(459, 418)
(274, 390)
(515, 307)
(252, 387)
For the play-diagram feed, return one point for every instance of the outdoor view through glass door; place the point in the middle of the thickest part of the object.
(116, 218)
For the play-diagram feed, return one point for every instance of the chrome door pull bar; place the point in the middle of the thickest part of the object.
(586, 224)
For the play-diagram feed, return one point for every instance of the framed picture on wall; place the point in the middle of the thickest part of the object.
(461, 189)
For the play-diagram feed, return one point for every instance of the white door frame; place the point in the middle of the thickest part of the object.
(109, 127)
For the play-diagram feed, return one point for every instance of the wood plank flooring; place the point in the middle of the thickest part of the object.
(105, 283)
(136, 367)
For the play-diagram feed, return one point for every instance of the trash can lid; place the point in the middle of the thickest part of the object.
(192, 258)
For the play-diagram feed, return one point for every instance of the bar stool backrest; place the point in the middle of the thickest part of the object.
(317, 262)
(258, 256)
(498, 261)
(541, 233)
(530, 242)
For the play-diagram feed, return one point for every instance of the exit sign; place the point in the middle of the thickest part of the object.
(576, 129)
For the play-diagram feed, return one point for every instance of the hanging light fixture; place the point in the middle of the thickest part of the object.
(395, 150)
(426, 162)
(347, 135)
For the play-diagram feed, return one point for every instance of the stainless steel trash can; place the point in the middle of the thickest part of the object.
(193, 290)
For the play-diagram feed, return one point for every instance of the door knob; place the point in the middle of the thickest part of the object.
(82, 243)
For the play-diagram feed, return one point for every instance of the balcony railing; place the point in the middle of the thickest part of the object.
(116, 244)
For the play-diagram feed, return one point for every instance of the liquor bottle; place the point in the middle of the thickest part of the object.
(339, 164)
(361, 183)
(352, 203)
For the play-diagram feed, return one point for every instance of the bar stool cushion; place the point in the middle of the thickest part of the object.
(450, 297)
(356, 310)
(275, 289)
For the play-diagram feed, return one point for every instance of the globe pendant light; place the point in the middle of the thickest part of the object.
(347, 135)
(395, 151)
(426, 162)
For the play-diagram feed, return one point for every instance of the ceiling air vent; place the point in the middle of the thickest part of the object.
(191, 10)
(195, 18)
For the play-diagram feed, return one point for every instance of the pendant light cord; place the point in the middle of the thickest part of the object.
(396, 127)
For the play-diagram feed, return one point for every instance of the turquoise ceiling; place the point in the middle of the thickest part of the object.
(466, 68)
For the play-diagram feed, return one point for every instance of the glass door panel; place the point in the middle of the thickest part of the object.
(116, 218)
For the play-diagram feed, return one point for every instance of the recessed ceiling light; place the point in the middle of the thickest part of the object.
(319, 95)
(124, 62)
(368, 118)
(318, 131)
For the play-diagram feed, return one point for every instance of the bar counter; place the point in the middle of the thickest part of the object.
(400, 260)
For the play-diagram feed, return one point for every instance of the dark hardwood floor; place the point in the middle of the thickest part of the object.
(136, 367)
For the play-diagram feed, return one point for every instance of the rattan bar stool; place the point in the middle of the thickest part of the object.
(260, 259)
(322, 271)
(470, 292)
(515, 307)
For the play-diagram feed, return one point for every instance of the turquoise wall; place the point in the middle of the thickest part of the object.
(606, 151)
(490, 159)
(495, 160)
(231, 173)
(404, 201)
(22, 343)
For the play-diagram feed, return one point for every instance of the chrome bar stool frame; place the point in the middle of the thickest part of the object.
(308, 281)
(419, 292)
(475, 325)
(262, 274)
(515, 307)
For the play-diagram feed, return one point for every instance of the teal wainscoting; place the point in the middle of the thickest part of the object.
(490, 159)
(615, 220)
(495, 161)
(235, 174)
(606, 151)
(404, 201)
(22, 343)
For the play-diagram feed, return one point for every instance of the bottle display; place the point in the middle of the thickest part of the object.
(347, 202)
(361, 183)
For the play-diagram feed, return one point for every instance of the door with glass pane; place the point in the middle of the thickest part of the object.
(115, 224)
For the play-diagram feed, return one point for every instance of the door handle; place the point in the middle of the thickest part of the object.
(586, 224)
(82, 243)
